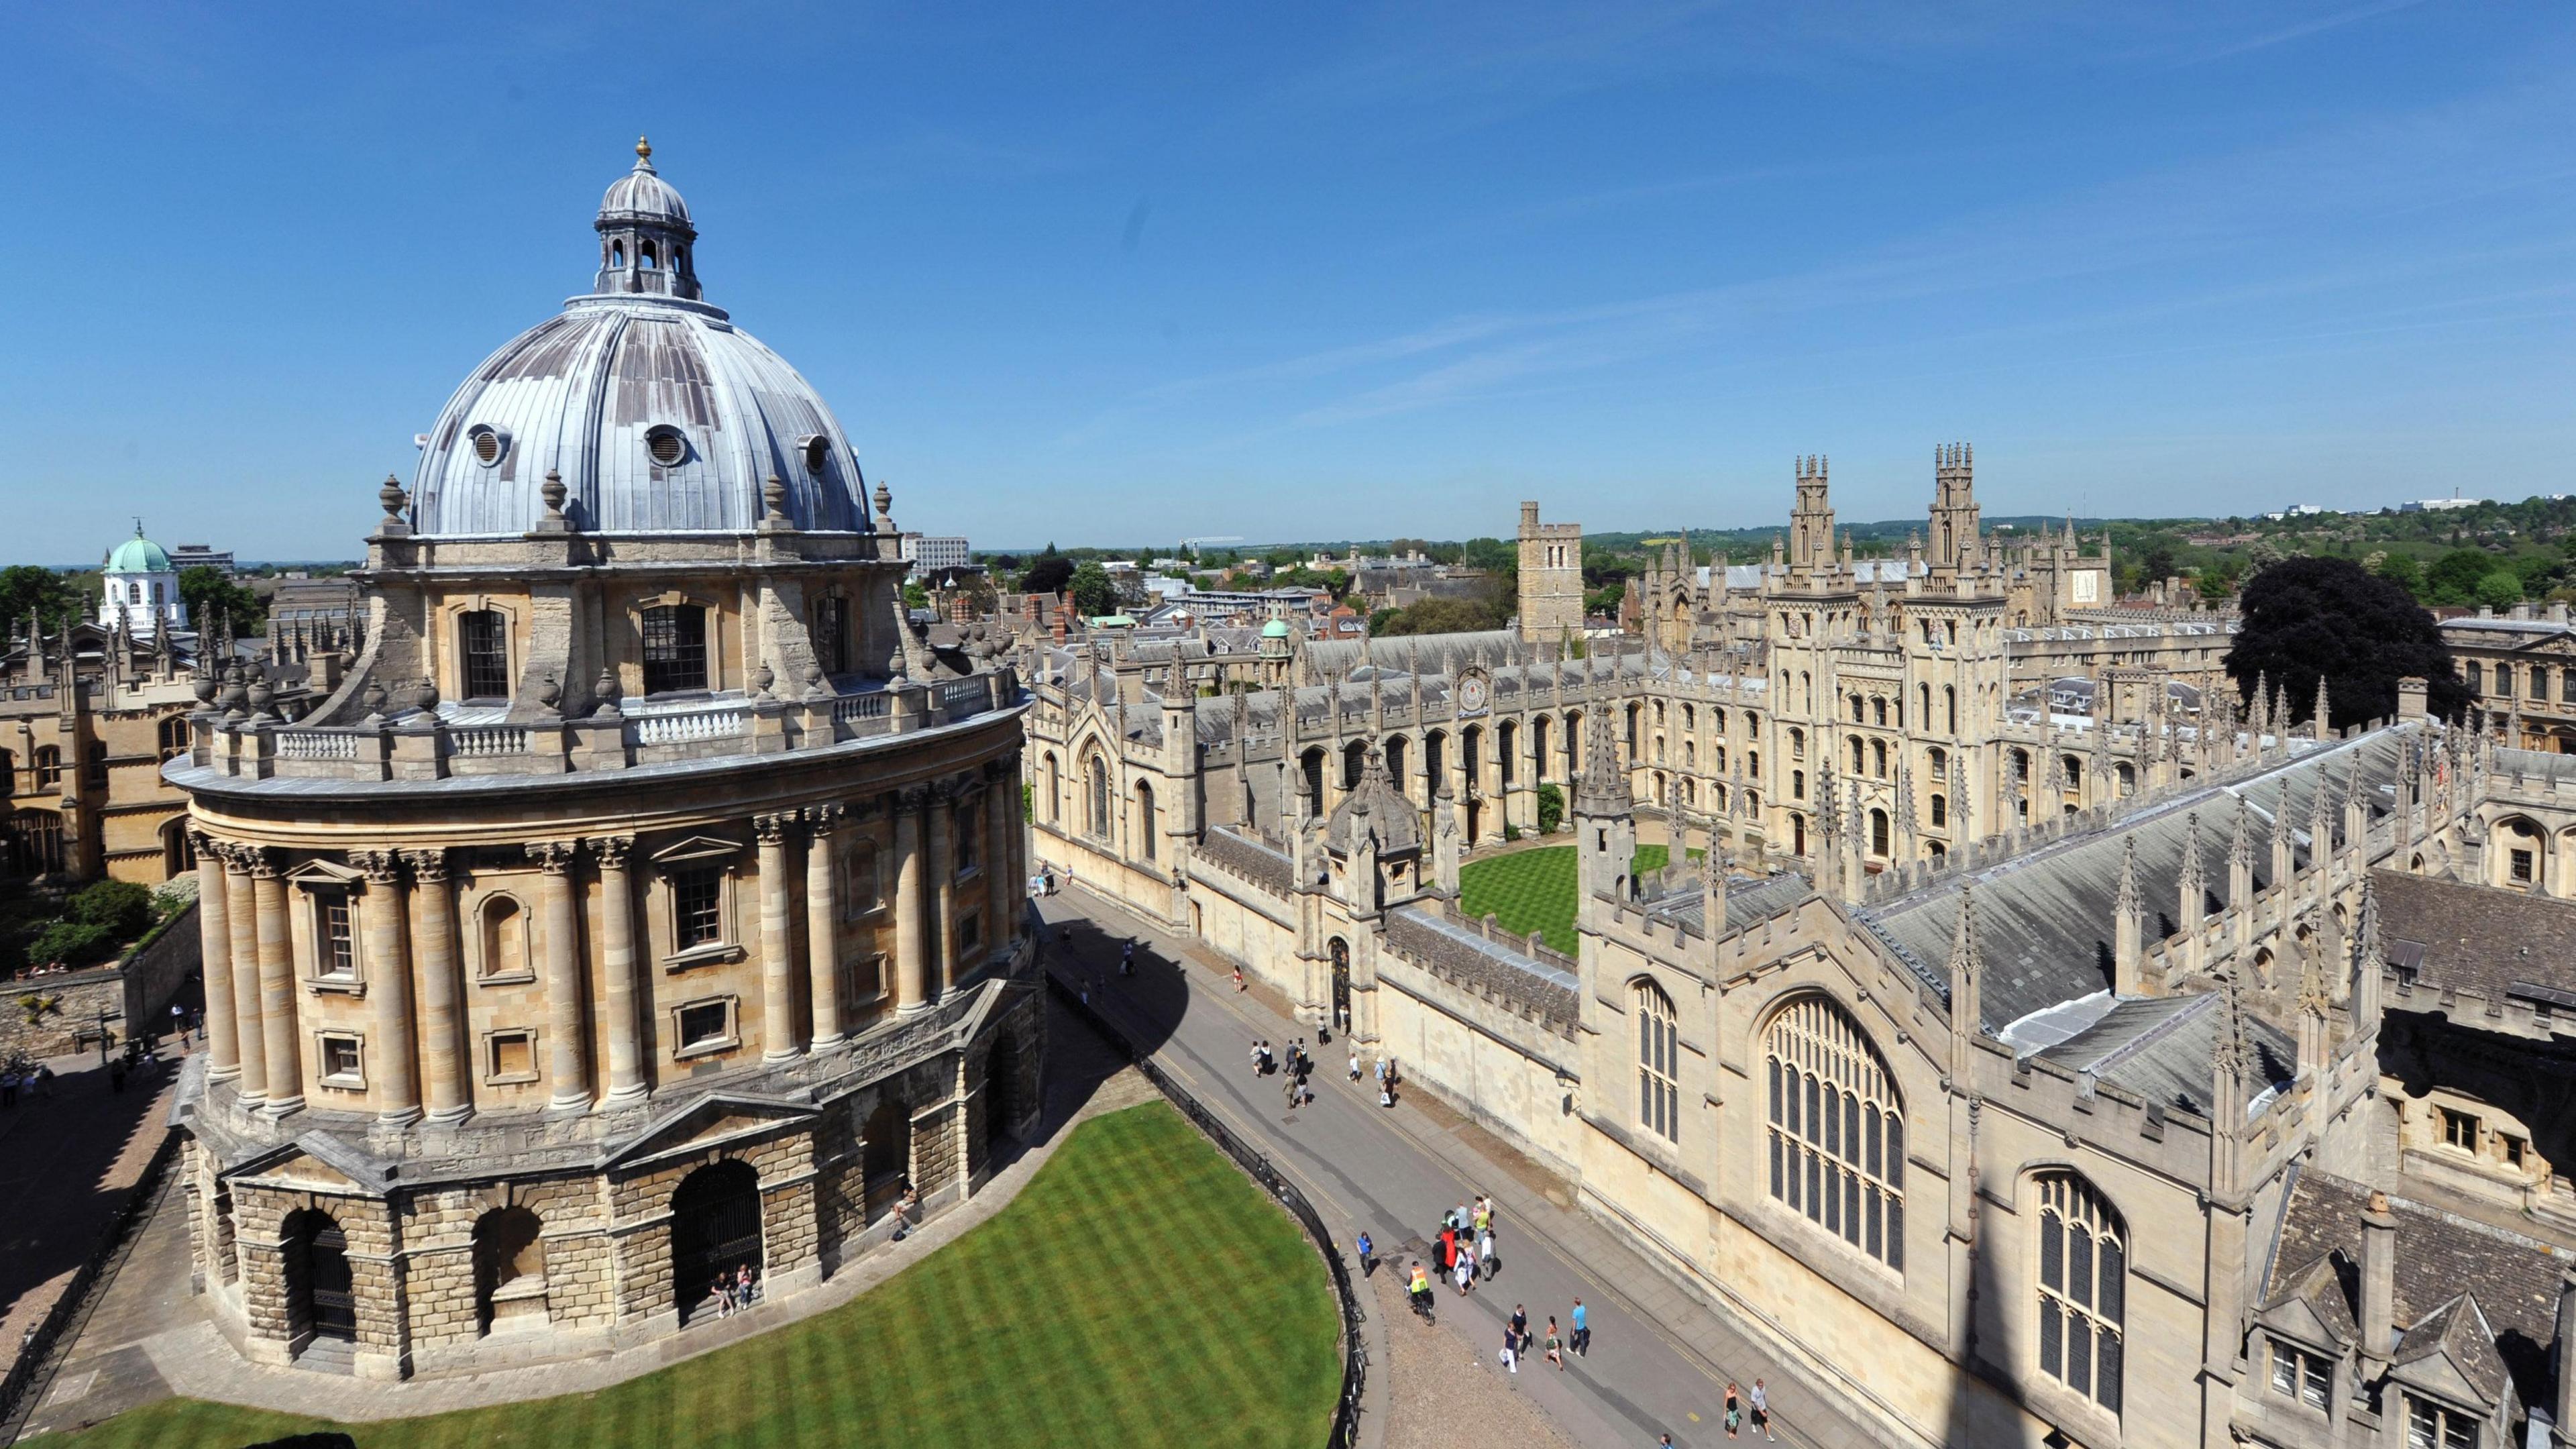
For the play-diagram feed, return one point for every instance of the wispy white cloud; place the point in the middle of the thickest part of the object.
(2303, 30)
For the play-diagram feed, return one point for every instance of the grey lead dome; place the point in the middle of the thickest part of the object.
(661, 415)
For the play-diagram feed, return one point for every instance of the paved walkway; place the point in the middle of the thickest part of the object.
(1661, 1358)
(149, 1338)
(67, 1161)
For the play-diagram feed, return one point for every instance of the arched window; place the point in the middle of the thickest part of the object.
(1797, 784)
(1145, 819)
(1878, 758)
(1878, 711)
(1858, 708)
(860, 890)
(2083, 1287)
(1797, 744)
(1798, 835)
(1354, 756)
(483, 653)
(1658, 1051)
(1837, 1130)
(1878, 832)
(1395, 762)
(174, 739)
(1860, 756)
(2021, 766)
(1940, 760)
(831, 631)
(1940, 810)
(1097, 821)
(1054, 788)
(2128, 779)
(1950, 703)
(94, 772)
(2504, 681)
(1923, 692)
(675, 648)
(966, 830)
(1312, 767)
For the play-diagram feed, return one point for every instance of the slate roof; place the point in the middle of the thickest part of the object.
(2044, 918)
(1747, 899)
(2478, 939)
(1465, 955)
(2161, 1047)
(1250, 859)
(2513, 1279)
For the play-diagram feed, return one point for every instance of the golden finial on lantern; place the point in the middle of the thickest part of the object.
(643, 149)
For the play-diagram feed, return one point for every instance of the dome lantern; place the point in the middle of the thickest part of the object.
(646, 241)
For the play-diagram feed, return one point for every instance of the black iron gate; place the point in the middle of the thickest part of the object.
(715, 1231)
(328, 1288)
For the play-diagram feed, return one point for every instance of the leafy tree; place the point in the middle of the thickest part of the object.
(1094, 596)
(32, 589)
(213, 599)
(71, 943)
(1551, 809)
(2501, 589)
(2306, 617)
(2454, 577)
(121, 907)
(914, 595)
(2402, 570)
(1438, 616)
(1490, 553)
(1048, 575)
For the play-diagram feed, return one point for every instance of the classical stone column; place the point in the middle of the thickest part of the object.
(242, 922)
(215, 949)
(442, 1019)
(284, 1055)
(566, 1021)
(617, 964)
(823, 924)
(943, 879)
(911, 986)
(777, 935)
(1001, 865)
(391, 1071)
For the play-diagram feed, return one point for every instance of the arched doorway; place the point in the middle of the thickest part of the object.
(1001, 1092)
(1341, 950)
(509, 1270)
(320, 1297)
(886, 1156)
(715, 1229)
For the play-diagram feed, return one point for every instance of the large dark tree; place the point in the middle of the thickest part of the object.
(1048, 575)
(2306, 617)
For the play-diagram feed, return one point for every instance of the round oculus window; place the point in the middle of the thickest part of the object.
(818, 454)
(489, 443)
(668, 447)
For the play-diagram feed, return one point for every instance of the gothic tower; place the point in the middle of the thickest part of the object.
(1551, 578)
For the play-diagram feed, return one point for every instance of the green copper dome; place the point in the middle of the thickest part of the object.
(138, 555)
(1275, 629)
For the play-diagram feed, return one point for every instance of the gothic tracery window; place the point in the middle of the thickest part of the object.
(1658, 1047)
(2083, 1282)
(1836, 1128)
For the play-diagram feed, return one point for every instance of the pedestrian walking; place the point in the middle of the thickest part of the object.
(1511, 1352)
(1734, 1411)
(1520, 1322)
(1238, 978)
(1367, 1248)
(1127, 960)
(1582, 1331)
(1256, 1056)
(1663, 1441)
(1465, 1272)
(1555, 1345)
(1355, 1064)
(1448, 1249)
(1485, 1253)
(1762, 1410)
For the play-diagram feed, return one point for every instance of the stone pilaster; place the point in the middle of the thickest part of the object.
(911, 984)
(943, 893)
(777, 934)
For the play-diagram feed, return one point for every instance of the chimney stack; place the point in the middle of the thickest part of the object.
(2379, 1284)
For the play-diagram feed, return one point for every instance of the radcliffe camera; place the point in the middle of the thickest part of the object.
(1410, 728)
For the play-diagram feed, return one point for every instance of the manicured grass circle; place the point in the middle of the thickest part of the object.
(1139, 1291)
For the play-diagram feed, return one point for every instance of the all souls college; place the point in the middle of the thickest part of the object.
(2038, 1049)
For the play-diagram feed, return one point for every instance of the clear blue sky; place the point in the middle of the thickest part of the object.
(1107, 274)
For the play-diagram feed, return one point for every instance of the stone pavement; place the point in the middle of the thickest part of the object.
(1661, 1355)
(149, 1338)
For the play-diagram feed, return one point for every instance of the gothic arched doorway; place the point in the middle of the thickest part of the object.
(1341, 983)
(715, 1229)
(320, 1297)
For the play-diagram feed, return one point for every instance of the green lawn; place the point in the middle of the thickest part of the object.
(1140, 1291)
(1533, 890)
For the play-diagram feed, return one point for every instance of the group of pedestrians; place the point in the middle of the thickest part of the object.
(1735, 1406)
(1517, 1340)
(736, 1290)
(1466, 1248)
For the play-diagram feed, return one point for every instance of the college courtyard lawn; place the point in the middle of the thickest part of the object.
(1139, 1291)
(1533, 890)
